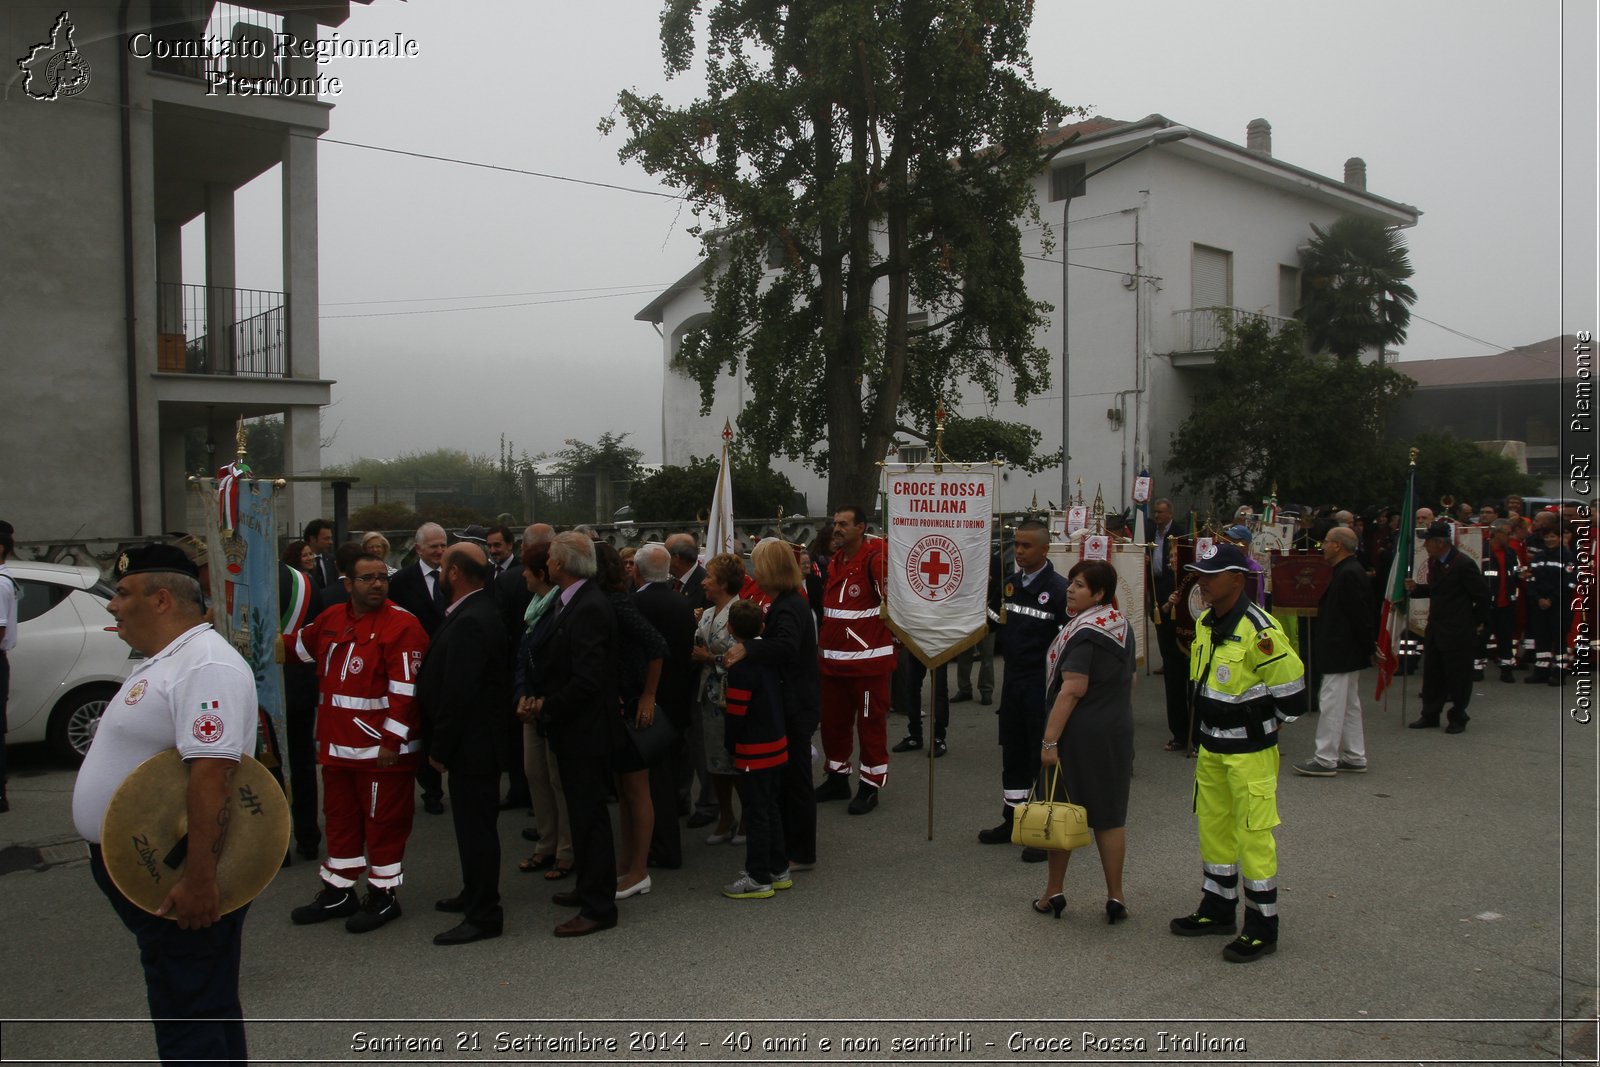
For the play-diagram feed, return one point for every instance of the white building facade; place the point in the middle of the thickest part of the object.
(1178, 229)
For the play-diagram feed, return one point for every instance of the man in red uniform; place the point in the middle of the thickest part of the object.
(366, 653)
(858, 656)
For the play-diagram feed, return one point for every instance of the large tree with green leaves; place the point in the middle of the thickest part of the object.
(880, 154)
(1354, 287)
(1272, 414)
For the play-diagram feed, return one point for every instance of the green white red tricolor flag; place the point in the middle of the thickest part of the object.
(1393, 624)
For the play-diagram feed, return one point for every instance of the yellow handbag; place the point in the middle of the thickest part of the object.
(1050, 824)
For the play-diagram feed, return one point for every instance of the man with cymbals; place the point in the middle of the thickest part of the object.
(192, 691)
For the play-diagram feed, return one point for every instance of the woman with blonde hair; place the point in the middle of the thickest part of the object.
(789, 645)
(374, 543)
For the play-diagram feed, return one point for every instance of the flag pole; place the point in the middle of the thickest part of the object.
(1411, 559)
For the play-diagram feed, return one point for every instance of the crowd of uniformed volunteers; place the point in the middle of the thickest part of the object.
(827, 659)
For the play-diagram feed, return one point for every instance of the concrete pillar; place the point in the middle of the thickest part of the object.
(220, 277)
(302, 457)
(170, 331)
(174, 481)
(300, 253)
(304, 29)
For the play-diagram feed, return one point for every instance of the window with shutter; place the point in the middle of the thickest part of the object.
(1066, 182)
(1212, 277)
(1288, 290)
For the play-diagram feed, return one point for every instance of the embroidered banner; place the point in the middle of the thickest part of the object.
(937, 525)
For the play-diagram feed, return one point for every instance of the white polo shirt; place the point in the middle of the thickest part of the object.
(197, 694)
(8, 609)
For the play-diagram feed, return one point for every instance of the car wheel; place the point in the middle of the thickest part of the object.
(75, 719)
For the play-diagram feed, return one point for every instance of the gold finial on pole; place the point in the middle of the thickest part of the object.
(1413, 455)
(1098, 512)
(239, 438)
(1035, 505)
(938, 438)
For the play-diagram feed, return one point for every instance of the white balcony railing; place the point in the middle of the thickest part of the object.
(1200, 330)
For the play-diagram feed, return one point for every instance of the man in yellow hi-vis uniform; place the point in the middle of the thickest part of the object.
(1245, 682)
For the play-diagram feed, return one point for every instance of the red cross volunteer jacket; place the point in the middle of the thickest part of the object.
(854, 641)
(366, 681)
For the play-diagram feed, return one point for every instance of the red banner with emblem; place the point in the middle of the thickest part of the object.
(937, 524)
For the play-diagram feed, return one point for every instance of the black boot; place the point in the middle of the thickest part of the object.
(1537, 675)
(866, 799)
(834, 787)
(381, 906)
(329, 903)
(1506, 675)
(999, 835)
(1554, 677)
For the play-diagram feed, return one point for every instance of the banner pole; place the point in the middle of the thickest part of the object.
(930, 731)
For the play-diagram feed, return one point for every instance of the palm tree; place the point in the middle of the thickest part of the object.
(1354, 294)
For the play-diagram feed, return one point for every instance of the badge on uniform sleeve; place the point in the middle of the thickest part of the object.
(1264, 644)
(1011, 590)
(854, 590)
(1044, 598)
(207, 726)
(136, 694)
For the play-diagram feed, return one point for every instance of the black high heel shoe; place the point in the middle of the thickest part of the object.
(1054, 906)
(1116, 911)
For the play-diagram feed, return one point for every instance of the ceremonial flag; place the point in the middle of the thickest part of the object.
(1393, 623)
(937, 524)
(720, 537)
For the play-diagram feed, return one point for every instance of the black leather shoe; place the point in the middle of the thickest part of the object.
(699, 819)
(329, 903)
(1457, 726)
(467, 933)
(380, 907)
(965, 694)
(581, 926)
(451, 905)
(1198, 925)
(907, 744)
(998, 835)
(1506, 675)
(567, 898)
(1247, 949)
(308, 850)
(1423, 724)
(866, 799)
(1034, 855)
(939, 748)
(433, 805)
(530, 834)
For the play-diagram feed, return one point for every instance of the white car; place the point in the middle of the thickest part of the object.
(68, 661)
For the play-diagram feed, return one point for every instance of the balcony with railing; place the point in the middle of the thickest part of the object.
(203, 39)
(208, 329)
(1201, 332)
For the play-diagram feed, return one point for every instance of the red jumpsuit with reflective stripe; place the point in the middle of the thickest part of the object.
(857, 659)
(366, 680)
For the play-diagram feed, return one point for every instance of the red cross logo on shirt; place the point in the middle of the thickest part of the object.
(208, 729)
(934, 568)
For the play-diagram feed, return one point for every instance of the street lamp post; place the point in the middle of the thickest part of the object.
(1171, 133)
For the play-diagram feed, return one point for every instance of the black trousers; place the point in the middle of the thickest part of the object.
(475, 809)
(1175, 680)
(1022, 716)
(191, 978)
(1501, 632)
(300, 721)
(916, 673)
(666, 839)
(1446, 676)
(797, 802)
(584, 782)
(428, 778)
(5, 693)
(764, 855)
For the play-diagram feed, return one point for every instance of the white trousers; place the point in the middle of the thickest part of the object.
(1339, 732)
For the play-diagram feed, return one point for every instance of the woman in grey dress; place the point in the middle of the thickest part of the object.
(1089, 682)
(724, 578)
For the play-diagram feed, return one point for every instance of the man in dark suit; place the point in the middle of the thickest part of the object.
(319, 535)
(1163, 583)
(669, 612)
(464, 690)
(335, 592)
(1458, 611)
(511, 598)
(416, 587)
(687, 576)
(577, 708)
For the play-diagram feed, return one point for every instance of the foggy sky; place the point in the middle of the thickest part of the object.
(1458, 109)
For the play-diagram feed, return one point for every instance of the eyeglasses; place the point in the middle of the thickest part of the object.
(368, 579)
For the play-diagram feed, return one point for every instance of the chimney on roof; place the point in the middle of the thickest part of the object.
(1053, 125)
(1355, 173)
(1258, 136)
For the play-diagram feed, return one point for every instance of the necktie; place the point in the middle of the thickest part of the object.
(438, 591)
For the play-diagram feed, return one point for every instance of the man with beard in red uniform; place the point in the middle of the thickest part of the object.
(857, 662)
(366, 653)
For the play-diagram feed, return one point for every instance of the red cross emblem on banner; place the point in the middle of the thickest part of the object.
(933, 568)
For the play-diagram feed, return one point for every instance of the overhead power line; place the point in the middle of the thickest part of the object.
(488, 307)
(496, 166)
(647, 286)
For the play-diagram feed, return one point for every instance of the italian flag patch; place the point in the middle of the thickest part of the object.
(210, 705)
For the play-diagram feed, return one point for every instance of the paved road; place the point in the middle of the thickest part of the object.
(1440, 908)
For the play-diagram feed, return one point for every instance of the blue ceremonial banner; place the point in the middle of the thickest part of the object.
(244, 592)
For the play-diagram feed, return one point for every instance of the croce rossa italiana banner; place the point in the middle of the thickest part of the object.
(937, 525)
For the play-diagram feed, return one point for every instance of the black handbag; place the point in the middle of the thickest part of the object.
(654, 742)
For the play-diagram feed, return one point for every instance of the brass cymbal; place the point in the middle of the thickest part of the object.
(144, 836)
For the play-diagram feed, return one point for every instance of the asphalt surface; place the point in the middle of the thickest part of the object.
(1440, 908)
